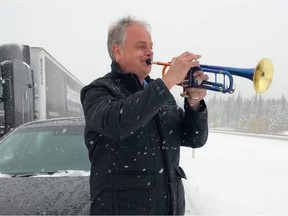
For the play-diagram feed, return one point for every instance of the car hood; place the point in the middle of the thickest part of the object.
(45, 195)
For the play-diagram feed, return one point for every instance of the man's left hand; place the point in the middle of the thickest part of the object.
(196, 94)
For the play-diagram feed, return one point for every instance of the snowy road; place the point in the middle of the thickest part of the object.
(235, 174)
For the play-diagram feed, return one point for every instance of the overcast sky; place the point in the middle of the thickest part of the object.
(225, 33)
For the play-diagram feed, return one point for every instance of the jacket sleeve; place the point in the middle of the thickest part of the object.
(118, 118)
(195, 126)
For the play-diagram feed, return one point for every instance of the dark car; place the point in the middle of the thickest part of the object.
(44, 169)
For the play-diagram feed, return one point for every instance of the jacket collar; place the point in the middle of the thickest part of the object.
(130, 79)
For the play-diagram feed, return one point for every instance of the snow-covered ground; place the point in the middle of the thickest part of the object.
(237, 175)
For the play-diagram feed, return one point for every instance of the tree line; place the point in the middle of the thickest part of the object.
(254, 115)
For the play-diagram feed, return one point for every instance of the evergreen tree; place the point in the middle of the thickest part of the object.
(254, 115)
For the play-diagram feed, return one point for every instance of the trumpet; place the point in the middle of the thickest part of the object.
(261, 76)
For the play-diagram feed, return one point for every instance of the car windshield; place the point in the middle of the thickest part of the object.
(44, 150)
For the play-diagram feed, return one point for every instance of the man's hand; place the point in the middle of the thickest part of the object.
(196, 94)
(179, 67)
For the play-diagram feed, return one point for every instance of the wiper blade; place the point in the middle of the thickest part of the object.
(51, 173)
(23, 175)
(34, 174)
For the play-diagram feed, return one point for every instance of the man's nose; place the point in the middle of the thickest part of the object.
(149, 52)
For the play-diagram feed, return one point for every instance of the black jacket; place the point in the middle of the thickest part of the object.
(134, 135)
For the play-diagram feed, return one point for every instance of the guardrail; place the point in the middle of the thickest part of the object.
(268, 136)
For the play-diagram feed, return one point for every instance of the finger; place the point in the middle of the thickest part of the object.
(192, 57)
(194, 90)
(188, 56)
(198, 96)
(199, 77)
(195, 64)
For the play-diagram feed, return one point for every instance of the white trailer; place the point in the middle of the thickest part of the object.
(35, 86)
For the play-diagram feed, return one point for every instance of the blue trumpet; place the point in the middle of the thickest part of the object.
(261, 76)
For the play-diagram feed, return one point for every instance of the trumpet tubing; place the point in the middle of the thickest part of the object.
(261, 76)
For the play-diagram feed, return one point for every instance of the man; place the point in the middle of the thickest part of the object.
(134, 128)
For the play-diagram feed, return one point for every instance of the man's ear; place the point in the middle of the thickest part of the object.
(116, 51)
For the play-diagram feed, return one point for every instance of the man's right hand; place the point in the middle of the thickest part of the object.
(179, 67)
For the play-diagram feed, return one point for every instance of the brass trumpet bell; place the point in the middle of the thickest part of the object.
(263, 75)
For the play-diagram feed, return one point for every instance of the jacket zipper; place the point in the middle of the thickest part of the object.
(163, 147)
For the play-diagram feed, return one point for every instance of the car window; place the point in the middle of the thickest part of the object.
(44, 149)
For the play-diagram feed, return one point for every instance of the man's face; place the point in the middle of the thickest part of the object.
(137, 48)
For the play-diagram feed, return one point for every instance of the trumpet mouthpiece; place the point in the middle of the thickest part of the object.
(149, 61)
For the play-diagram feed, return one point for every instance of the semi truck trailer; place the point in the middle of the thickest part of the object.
(35, 86)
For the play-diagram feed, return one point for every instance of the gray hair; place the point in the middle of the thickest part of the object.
(117, 31)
